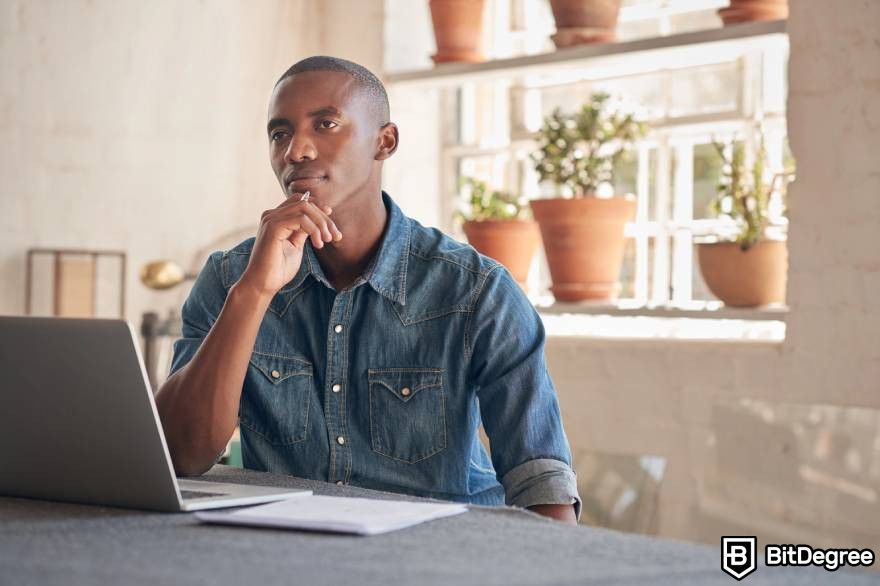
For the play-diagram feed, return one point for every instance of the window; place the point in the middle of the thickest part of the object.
(694, 87)
(673, 172)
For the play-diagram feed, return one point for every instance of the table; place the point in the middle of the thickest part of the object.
(56, 543)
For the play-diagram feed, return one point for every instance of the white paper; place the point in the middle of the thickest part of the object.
(336, 514)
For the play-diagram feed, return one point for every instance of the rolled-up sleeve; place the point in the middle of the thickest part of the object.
(199, 312)
(518, 403)
(542, 482)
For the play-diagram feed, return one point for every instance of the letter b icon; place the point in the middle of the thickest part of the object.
(738, 556)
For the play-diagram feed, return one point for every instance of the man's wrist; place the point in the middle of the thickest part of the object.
(242, 292)
(563, 513)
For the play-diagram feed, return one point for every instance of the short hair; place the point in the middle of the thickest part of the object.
(366, 81)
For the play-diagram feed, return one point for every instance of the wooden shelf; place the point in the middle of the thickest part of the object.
(624, 58)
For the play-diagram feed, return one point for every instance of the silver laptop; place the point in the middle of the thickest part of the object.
(78, 422)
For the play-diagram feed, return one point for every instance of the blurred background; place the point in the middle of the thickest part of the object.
(133, 145)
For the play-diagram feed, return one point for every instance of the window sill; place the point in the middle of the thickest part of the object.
(699, 322)
(696, 309)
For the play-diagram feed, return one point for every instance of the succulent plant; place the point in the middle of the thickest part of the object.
(483, 203)
(744, 191)
(578, 151)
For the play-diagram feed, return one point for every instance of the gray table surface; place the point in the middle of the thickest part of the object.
(56, 543)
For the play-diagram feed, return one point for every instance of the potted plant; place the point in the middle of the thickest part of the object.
(748, 266)
(498, 225)
(752, 10)
(584, 21)
(458, 30)
(583, 233)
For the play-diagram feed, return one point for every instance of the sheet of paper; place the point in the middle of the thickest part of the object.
(336, 514)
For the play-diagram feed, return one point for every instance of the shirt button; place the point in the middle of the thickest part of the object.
(276, 374)
(338, 328)
(405, 391)
(337, 388)
(340, 440)
(339, 483)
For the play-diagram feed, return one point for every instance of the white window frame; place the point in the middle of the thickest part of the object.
(673, 259)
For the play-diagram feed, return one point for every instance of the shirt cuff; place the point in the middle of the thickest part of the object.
(542, 482)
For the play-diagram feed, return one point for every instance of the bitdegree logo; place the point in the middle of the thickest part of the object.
(738, 556)
(805, 555)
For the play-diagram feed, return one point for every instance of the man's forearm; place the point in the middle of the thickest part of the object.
(564, 513)
(198, 405)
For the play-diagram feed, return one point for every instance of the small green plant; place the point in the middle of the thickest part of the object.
(578, 151)
(483, 203)
(744, 192)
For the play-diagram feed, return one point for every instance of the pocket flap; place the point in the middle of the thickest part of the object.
(277, 368)
(406, 382)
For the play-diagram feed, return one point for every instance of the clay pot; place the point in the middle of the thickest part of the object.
(583, 240)
(749, 278)
(513, 243)
(753, 10)
(458, 29)
(581, 22)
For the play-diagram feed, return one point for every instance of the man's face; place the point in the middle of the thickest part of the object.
(323, 136)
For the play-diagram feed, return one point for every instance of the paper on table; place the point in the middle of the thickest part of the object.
(336, 514)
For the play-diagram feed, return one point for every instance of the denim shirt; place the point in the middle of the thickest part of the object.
(384, 385)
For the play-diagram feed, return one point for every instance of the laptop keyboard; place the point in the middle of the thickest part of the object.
(198, 494)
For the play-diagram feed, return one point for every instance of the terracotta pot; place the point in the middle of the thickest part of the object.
(748, 278)
(581, 22)
(458, 29)
(583, 240)
(513, 243)
(753, 10)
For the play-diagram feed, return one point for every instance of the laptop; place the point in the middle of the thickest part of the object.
(78, 422)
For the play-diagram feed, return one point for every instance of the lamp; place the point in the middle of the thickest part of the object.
(163, 274)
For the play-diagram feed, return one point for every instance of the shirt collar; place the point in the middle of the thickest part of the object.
(386, 273)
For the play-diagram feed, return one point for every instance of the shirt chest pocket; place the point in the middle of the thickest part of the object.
(276, 397)
(407, 412)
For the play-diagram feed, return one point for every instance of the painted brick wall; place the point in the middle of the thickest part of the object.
(670, 398)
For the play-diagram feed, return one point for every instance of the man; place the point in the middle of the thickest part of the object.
(354, 345)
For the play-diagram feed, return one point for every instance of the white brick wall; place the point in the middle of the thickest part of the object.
(658, 398)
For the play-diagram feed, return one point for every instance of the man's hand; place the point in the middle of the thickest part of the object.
(278, 249)
(564, 513)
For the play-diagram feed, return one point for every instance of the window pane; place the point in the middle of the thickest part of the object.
(707, 173)
(704, 90)
(643, 94)
(628, 270)
(482, 114)
(490, 169)
(625, 174)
